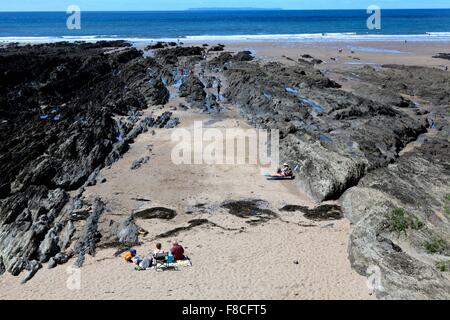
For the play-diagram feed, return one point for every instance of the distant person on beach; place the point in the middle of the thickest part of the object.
(218, 89)
(285, 171)
(177, 251)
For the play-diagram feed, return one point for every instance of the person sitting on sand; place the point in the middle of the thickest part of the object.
(158, 249)
(129, 255)
(285, 171)
(177, 251)
(158, 254)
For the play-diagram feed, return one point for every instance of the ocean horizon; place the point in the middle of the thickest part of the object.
(227, 25)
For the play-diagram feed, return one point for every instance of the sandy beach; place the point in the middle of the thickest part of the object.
(287, 257)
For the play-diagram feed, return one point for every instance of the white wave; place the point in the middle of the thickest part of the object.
(439, 34)
(348, 36)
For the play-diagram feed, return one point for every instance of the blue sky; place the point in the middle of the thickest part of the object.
(107, 5)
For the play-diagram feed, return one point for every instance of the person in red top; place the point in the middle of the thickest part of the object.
(177, 251)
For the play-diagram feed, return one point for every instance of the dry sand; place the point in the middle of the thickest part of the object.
(232, 260)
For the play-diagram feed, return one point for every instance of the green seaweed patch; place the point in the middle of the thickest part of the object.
(443, 266)
(400, 221)
(436, 245)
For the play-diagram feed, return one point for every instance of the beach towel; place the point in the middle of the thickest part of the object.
(280, 178)
(175, 265)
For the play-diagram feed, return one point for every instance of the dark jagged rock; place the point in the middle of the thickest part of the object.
(89, 237)
(193, 90)
(445, 56)
(49, 246)
(221, 60)
(128, 232)
(158, 45)
(32, 267)
(122, 235)
(172, 123)
(25, 220)
(138, 163)
(66, 235)
(155, 213)
(243, 56)
(170, 56)
(62, 101)
(225, 58)
(334, 136)
(2, 266)
(59, 258)
(429, 84)
(216, 48)
(57, 109)
(416, 185)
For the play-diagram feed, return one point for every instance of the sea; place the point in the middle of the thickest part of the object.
(228, 25)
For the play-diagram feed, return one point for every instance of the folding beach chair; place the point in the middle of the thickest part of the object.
(160, 260)
(164, 261)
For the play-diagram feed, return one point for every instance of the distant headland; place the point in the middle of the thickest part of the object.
(232, 9)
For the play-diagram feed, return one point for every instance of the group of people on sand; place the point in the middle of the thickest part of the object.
(284, 171)
(175, 253)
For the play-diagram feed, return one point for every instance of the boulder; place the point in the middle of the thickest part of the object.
(49, 246)
(193, 90)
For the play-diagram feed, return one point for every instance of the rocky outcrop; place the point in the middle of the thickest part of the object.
(89, 237)
(243, 56)
(170, 56)
(66, 111)
(127, 232)
(441, 55)
(70, 103)
(354, 147)
(334, 136)
(26, 221)
(400, 227)
(193, 90)
(155, 213)
(2, 267)
(392, 81)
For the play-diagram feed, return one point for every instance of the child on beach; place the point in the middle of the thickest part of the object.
(158, 249)
(129, 255)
